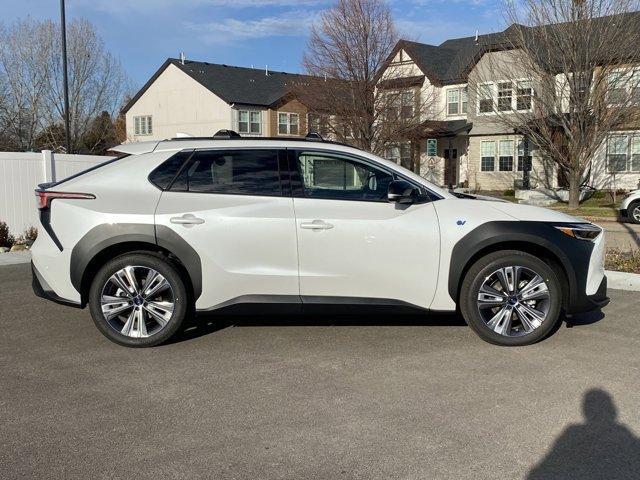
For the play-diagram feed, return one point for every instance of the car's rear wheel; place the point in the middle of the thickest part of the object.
(138, 300)
(634, 212)
(511, 298)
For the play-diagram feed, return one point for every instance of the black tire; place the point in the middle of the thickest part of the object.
(482, 269)
(632, 212)
(166, 268)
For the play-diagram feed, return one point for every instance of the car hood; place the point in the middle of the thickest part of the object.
(531, 213)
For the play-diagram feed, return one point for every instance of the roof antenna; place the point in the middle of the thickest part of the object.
(477, 39)
(182, 58)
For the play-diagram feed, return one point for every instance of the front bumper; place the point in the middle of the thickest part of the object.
(42, 289)
(588, 303)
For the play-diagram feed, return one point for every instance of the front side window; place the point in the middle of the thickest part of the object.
(485, 98)
(143, 125)
(505, 96)
(487, 156)
(334, 177)
(506, 156)
(288, 123)
(233, 172)
(250, 121)
(617, 148)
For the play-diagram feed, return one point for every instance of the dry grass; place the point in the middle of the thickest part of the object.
(623, 261)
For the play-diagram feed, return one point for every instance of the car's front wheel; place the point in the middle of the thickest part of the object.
(634, 212)
(138, 300)
(511, 298)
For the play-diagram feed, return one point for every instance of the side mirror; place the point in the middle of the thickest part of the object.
(401, 191)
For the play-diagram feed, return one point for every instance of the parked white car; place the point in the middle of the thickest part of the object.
(201, 224)
(630, 207)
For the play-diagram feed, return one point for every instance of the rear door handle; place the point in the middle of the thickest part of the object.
(187, 219)
(316, 225)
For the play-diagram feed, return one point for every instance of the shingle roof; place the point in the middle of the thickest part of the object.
(449, 62)
(238, 85)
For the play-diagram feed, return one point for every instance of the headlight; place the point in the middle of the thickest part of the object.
(581, 231)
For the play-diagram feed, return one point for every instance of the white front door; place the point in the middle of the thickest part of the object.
(229, 206)
(352, 242)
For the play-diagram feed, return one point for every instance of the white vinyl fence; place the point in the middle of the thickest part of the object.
(20, 174)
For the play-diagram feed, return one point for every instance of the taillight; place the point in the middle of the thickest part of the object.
(45, 197)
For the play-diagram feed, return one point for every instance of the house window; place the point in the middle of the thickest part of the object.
(318, 123)
(407, 104)
(485, 98)
(288, 124)
(464, 99)
(457, 99)
(616, 91)
(524, 155)
(505, 96)
(143, 125)
(617, 148)
(453, 101)
(635, 154)
(250, 121)
(505, 163)
(400, 154)
(487, 156)
(524, 94)
(623, 153)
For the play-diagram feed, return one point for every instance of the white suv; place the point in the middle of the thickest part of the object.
(192, 224)
(630, 207)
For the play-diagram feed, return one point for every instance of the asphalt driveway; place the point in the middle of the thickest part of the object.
(316, 397)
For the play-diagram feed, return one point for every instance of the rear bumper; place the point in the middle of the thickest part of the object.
(588, 303)
(43, 290)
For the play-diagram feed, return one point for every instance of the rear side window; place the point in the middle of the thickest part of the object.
(161, 177)
(239, 172)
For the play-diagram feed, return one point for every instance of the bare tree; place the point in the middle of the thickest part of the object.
(565, 75)
(347, 51)
(31, 64)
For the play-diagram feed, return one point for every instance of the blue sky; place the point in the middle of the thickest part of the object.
(143, 33)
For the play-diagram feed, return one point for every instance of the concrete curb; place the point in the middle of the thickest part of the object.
(14, 258)
(623, 281)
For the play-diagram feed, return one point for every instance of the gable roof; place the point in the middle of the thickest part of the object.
(239, 85)
(452, 60)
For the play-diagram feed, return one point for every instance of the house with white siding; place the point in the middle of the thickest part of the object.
(462, 143)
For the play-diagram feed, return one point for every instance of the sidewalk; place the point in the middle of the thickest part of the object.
(14, 258)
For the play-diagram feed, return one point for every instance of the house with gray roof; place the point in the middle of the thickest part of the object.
(200, 98)
(460, 143)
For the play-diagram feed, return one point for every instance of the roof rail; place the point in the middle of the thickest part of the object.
(226, 134)
(314, 136)
(231, 135)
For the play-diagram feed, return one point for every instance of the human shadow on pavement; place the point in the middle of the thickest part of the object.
(599, 448)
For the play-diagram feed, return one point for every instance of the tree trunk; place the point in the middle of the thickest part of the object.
(574, 190)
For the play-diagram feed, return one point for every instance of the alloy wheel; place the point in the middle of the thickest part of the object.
(137, 301)
(636, 213)
(514, 301)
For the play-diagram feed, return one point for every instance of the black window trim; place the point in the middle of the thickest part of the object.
(297, 189)
(285, 187)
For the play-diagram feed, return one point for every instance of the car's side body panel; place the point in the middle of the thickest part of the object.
(373, 249)
(247, 244)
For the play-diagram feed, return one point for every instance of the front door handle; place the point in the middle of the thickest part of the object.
(187, 219)
(316, 225)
